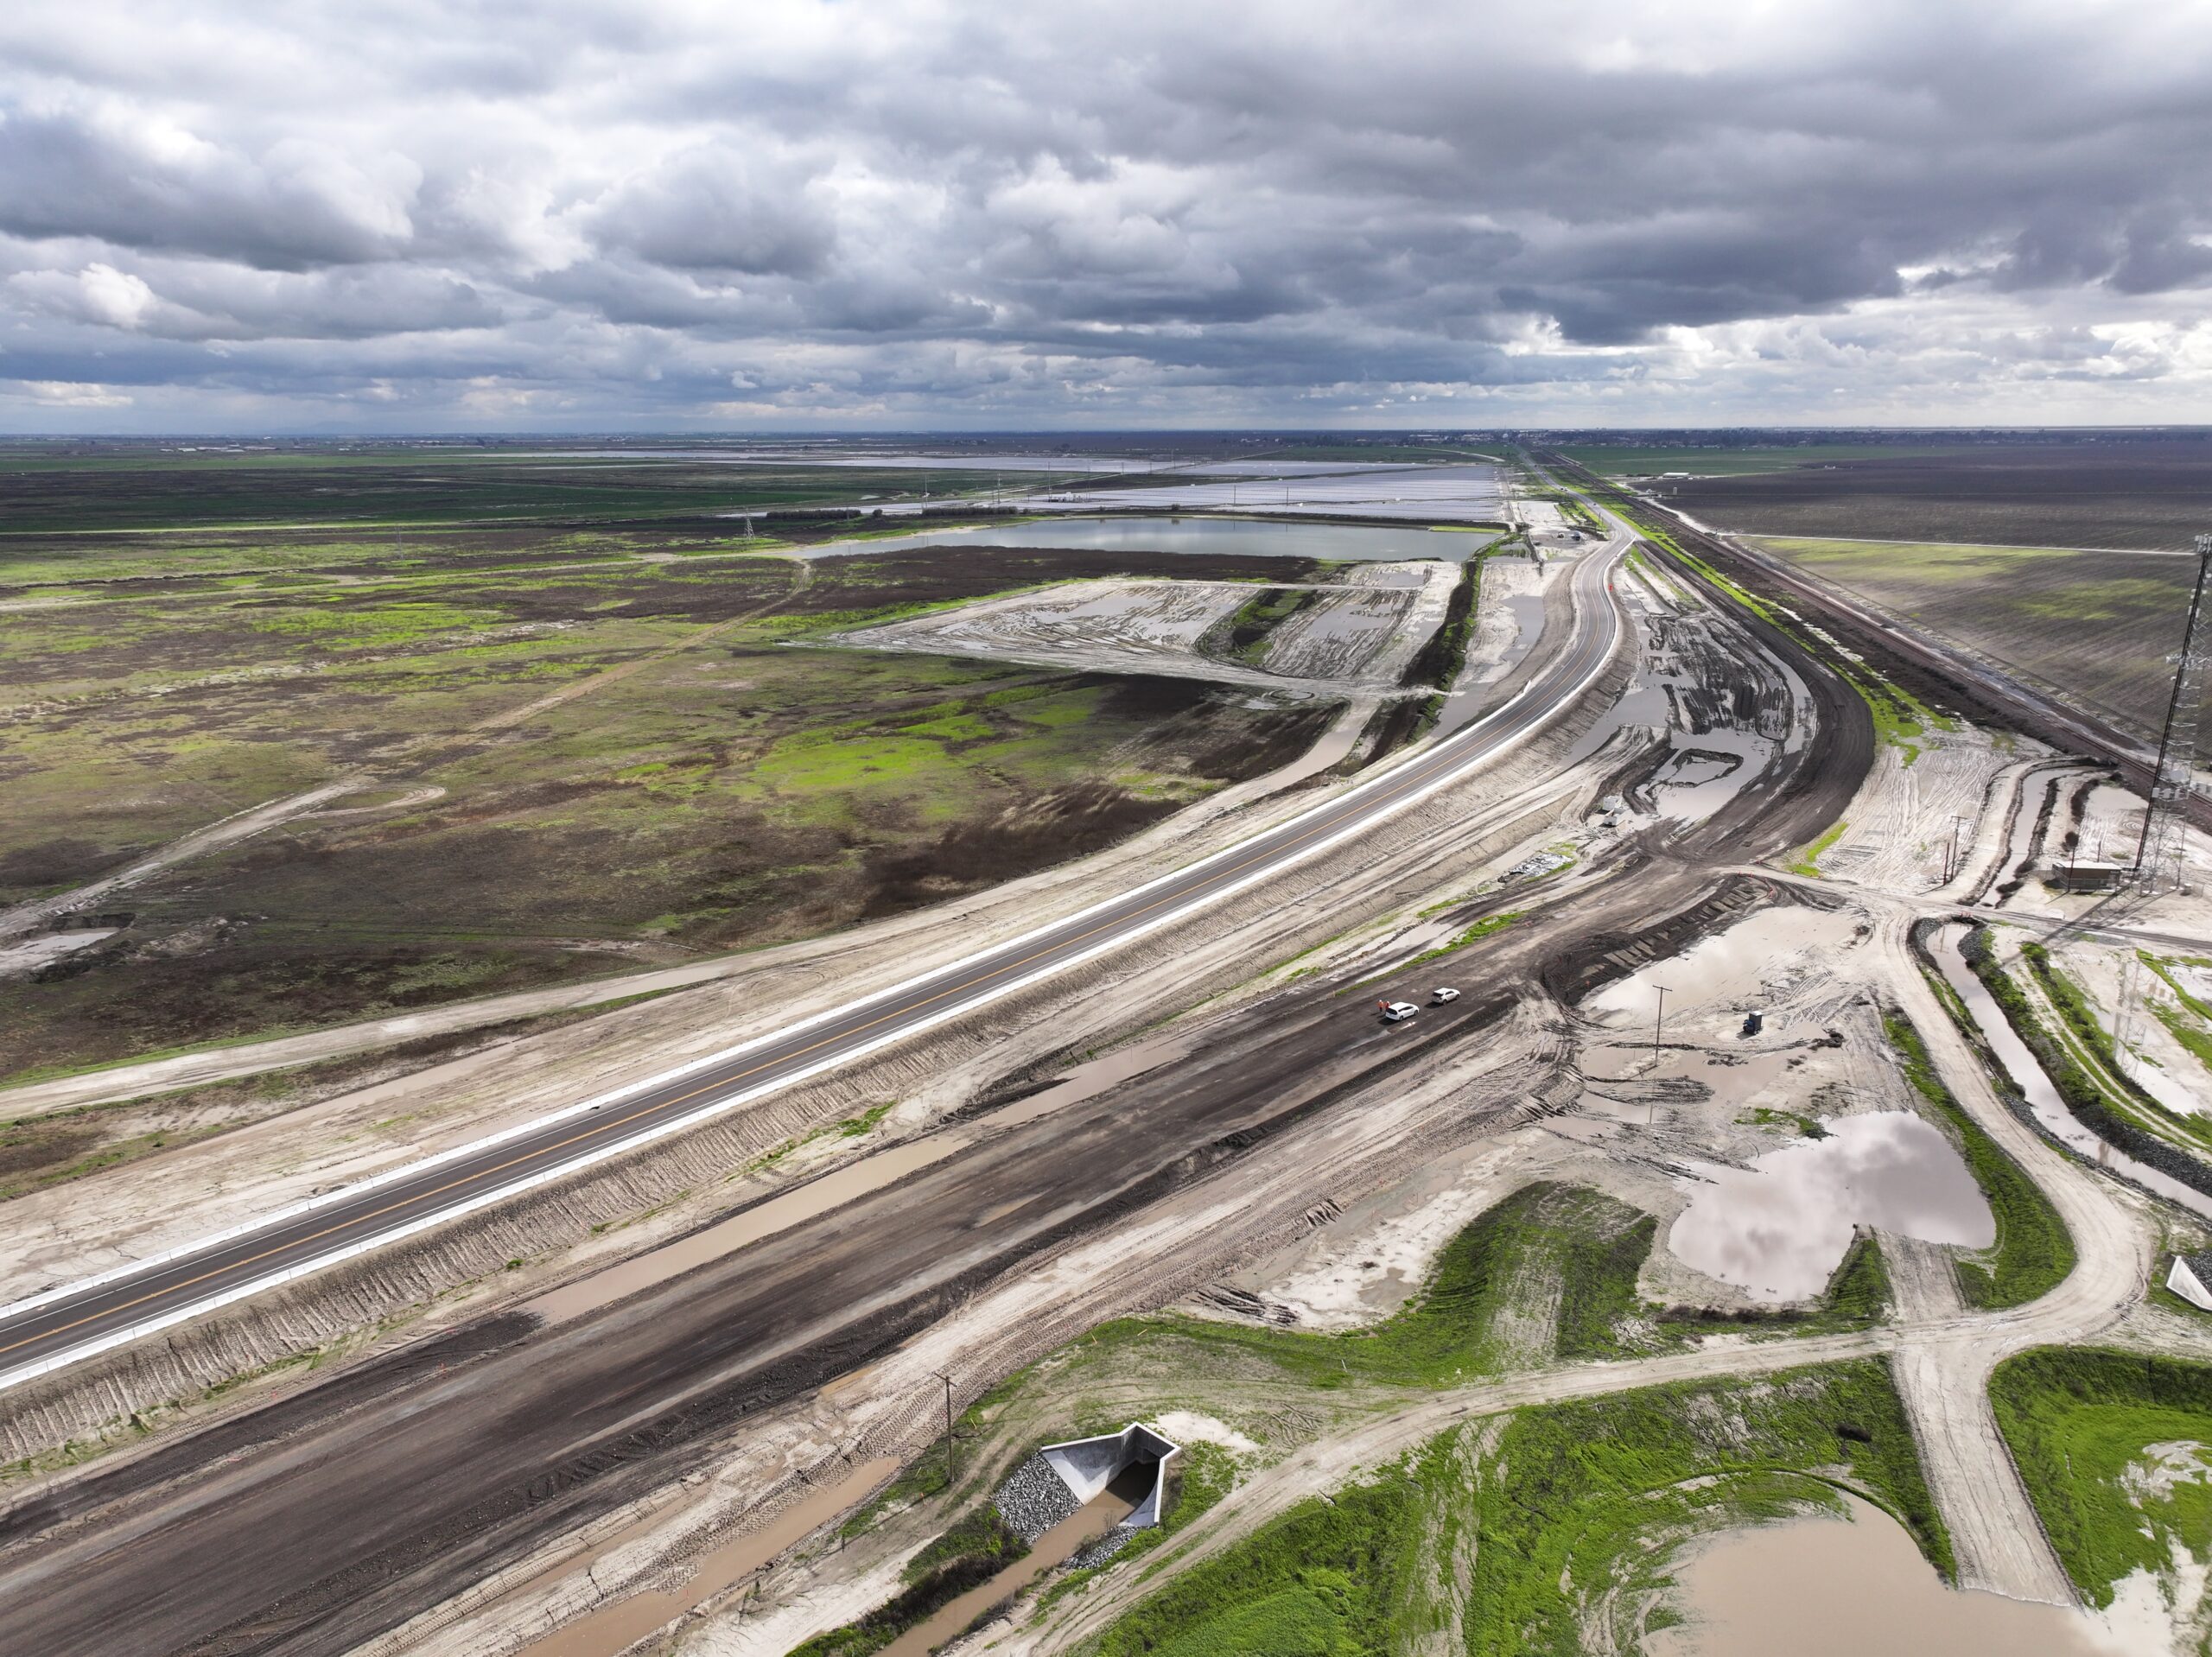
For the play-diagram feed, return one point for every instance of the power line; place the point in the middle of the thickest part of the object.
(2160, 862)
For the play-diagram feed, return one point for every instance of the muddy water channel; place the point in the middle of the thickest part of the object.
(617, 1627)
(1779, 1227)
(1824, 1587)
(2044, 1103)
(1084, 1526)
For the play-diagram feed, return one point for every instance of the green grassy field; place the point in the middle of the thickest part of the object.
(1519, 1534)
(2111, 1446)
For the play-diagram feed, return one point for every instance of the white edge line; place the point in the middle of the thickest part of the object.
(715, 1108)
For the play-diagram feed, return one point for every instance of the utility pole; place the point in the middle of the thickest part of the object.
(1951, 863)
(2159, 855)
(946, 1378)
(1658, 1023)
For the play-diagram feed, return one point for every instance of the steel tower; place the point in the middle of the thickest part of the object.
(2158, 862)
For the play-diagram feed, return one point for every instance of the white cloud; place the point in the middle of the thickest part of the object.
(1129, 211)
(73, 394)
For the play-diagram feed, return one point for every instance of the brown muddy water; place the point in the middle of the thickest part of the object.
(1780, 1226)
(1749, 964)
(617, 1627)
(1825, 1587)
(762, 1220)
(1086, 1525)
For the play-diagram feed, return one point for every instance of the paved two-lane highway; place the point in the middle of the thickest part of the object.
(66, 1325)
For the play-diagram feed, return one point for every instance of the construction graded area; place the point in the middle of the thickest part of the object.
(1702, 1203)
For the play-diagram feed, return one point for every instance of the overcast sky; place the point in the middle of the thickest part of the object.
(435, 214)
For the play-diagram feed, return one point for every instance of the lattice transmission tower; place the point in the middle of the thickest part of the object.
(2158, 861)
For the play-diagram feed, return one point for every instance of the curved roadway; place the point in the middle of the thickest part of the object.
(68, 1325)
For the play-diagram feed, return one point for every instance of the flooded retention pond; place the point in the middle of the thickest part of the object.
(1249, 537)
(1779, 1227)
(1827, 1587)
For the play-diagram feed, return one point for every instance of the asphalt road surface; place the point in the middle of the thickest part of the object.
(37, 1337)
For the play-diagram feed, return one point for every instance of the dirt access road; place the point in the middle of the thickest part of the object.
(458, 1454)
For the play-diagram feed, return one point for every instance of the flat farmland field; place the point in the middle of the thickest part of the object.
(120, 485)
(571, 753)
(2096, 627)
(1629, 460)
(2149, 493)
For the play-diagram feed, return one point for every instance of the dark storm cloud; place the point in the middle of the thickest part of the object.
(609, 215)
(707, 210)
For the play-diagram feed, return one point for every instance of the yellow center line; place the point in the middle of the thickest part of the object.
(608, 1125)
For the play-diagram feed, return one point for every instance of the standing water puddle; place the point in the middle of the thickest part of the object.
(1084, 1526)
(1750, 959)
(1779, 1227)
(1825, 1587)
(2044, 1102)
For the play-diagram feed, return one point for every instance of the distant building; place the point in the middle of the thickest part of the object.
(2190, 1277)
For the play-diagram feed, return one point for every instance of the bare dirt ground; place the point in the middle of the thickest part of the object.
(1360, 634)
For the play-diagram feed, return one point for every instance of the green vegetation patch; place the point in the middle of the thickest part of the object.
(2113, 1447)
(2033, 1251)
(694, 786)
(1545, 1242)
(1243, 634)
(1488, 926)
(2187, 1023)
(1762, 1116)
(2083, 1031)
(1808, 862)
(1522, 1531)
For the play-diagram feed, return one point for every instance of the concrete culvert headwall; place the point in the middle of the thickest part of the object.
(1087, 1466)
